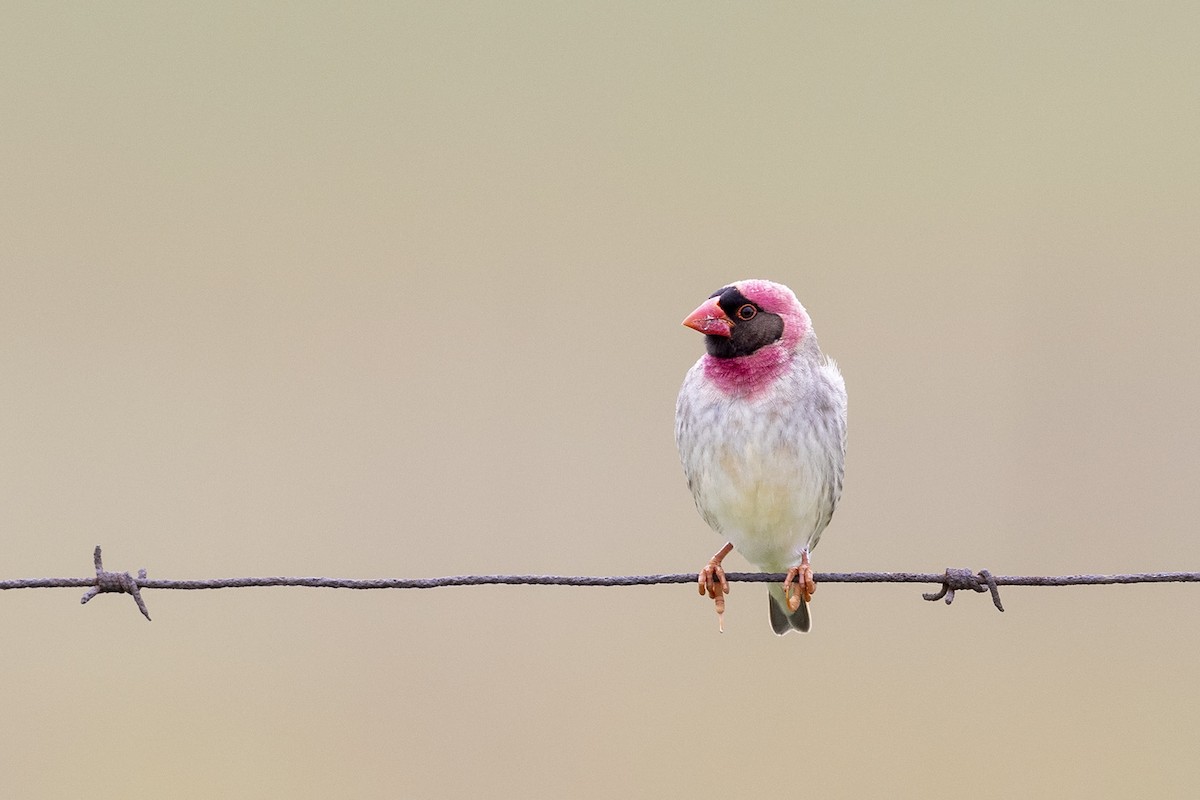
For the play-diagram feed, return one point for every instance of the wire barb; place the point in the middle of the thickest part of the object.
(116, 582)
(965, 579)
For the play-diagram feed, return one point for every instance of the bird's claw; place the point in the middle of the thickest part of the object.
(712, 581)
(799, 586)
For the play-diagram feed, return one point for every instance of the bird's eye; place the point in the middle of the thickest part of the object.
(746, 312)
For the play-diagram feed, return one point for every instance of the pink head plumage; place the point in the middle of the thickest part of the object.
(748, 375)
(779, 299)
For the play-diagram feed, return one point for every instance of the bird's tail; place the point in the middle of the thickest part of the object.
(783, 620)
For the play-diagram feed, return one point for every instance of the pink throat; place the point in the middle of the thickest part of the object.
(748, 375)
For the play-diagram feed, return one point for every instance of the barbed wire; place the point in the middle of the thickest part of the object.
(950, 580)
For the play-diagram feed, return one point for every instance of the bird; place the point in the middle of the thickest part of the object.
(760, 424)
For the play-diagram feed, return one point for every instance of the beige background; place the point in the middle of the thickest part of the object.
(395, 290)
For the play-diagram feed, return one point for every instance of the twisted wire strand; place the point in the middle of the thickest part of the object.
(950, 580)
(598, 580)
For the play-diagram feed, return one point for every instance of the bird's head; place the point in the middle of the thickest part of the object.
(742, 318)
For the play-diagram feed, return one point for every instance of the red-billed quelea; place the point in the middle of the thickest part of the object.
(761, 429)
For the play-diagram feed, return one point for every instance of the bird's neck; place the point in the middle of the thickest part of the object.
(747, 376)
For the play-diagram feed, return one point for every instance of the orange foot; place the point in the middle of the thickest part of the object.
(711, 581)
(801, 580)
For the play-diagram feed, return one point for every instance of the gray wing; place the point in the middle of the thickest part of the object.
(829, 407)
(690, 424)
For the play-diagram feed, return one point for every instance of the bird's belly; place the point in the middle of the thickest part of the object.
(771, 515)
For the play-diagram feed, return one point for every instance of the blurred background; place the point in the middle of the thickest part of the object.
(394, 290)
